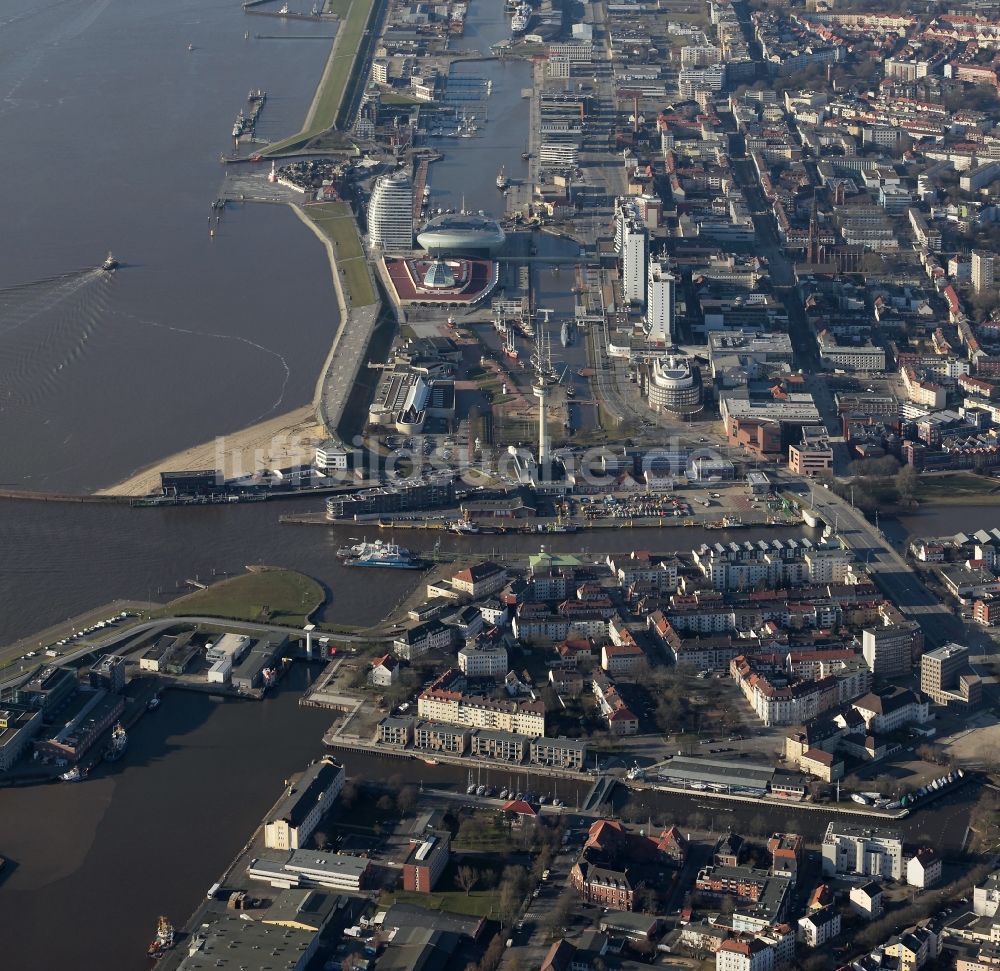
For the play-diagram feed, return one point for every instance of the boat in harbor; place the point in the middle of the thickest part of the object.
(461, 526)
(519, 22)
(567, 333)
(76, 774)
(432, 761)
(502, 181)
(116, 746)
(153, 703)
(163, 941)
(390, 556)
(110, 263)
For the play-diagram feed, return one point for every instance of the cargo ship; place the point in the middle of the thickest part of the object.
(388, 555)
(163, 941)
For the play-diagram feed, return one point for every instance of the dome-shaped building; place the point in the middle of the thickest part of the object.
(439, 276)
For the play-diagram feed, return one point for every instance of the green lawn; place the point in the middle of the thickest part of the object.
(336, 76)
(957, 488)
(336, 221)
(479, 903)
(280, 596)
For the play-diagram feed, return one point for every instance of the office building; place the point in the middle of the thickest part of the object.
(890, 649)
(632, 246)
(18, 726)
(109, 673)
(947, 679)
(660, 285)
(390, 213)
(427, 860)
(982, 271)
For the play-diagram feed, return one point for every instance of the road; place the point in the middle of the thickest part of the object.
(893, 575)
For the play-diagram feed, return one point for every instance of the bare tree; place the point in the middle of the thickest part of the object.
(407, 799)
(466, 878)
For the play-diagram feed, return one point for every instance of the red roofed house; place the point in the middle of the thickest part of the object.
(615, 864)
(751, 955)
(385, 671)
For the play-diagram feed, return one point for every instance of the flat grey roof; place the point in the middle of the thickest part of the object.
(717, 772)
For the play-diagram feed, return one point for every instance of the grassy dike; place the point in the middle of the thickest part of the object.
(335, 83)
(336, 222)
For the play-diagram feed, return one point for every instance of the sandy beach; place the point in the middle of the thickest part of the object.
(279, 442)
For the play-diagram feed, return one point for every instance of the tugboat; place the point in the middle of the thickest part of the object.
(116, 747)
(502, 182)
(110, 263)
(163, 941)
(76, 774)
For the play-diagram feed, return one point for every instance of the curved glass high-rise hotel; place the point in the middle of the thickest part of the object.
(390, 213)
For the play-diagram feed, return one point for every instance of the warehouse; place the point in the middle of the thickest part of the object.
(719, 775)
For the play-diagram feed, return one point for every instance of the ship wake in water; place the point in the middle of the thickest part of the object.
(45, 327)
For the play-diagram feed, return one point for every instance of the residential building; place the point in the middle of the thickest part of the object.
(500, 746)
(385, 671)
(986, 896)
(787, 851)
(483, 661)
(429, 636)
(923, 869)
(867, 900)
(433, 736)
(982, 271)
(862, 851)
(618, 659)
(745, 955)
(478, 711)
(562, 753)
(426, 861)
(390, 213)
(819, 926)
(292, 821)
(892, 709)
(395, 732)
(480, 580)
(947, 679)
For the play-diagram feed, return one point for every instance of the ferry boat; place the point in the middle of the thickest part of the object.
(116, 747)
(519, 22)
(346, 552)
(110, 263)
(388, 555)
(163, 941)
(502, 182)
